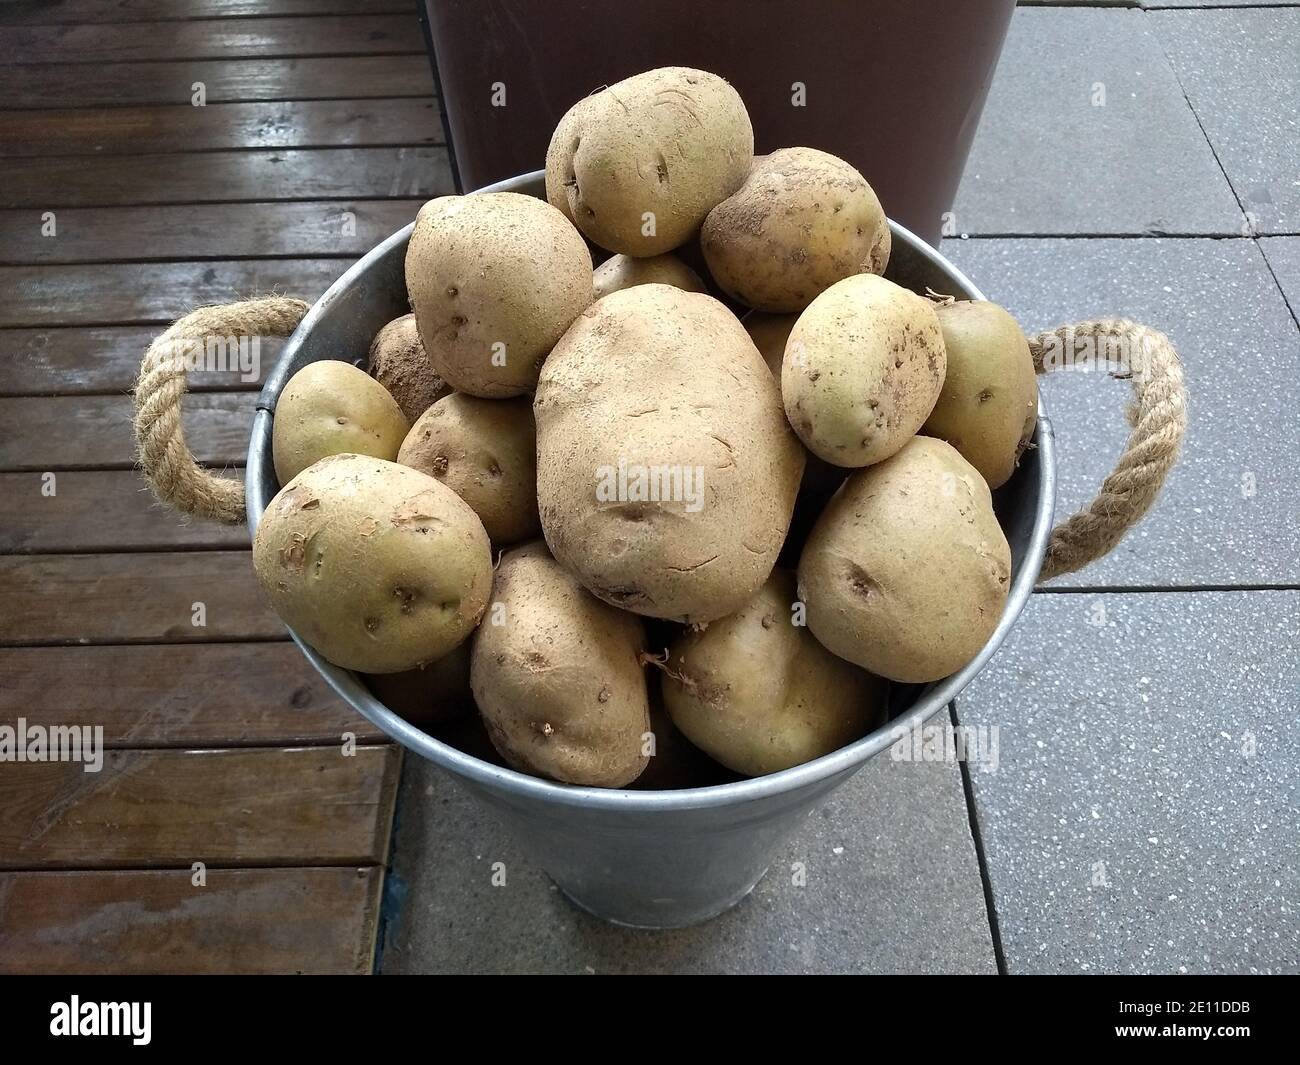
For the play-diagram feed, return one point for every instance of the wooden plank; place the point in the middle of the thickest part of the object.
(140, 293)
(104, 359)
(133, 598)
(209, 231)
(225, 177)
(183, 129)
(179, 695)
(98, 511)
(248, 921)
(227, 38)
(269, 806)
(49, 12)
(327, 78)
(94, 432)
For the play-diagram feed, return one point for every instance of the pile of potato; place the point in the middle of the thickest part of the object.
(561, 494)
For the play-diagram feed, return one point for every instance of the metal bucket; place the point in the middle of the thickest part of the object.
(656, 859)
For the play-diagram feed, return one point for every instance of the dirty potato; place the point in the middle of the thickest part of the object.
(332, 408)
(907, 571)
(802, 221)
(638, 165)
(379, 567)
(485, 450)
(862, 370)
(558, 678)
(495, 279)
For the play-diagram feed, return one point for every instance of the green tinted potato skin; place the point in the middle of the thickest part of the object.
(332, 408)
(907, 571)
(803, 220)
(654, 376)
(398, 362)
(673, 142)
(432, 695)
(622, 271)
(485, 450)
(989, 404)
(863, 368)
(759, 694)
(377, 566)
(559, 682)
(494, 269)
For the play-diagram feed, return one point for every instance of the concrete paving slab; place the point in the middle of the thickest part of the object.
(892, 885)
(1230, 513)
(1241, 72)
(1086, 131)
(1283, 255)
(1144, 816)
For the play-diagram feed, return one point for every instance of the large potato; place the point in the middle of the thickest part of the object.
(802, 220)
(377, 566)
(485, 450)
(666, 473)
(558, 678)
(399, 362)
(906, 572)
(622, 271)
(639, 164)
(863, 367)
(495, 280)
(756, 690)
(332, 408)
(989, 404)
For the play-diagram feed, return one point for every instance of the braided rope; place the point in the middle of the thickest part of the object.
(1158, 416)
(164, 457)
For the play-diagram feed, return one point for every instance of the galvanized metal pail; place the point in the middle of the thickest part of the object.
(647, 858)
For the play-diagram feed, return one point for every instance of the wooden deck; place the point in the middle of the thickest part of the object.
(224, 746)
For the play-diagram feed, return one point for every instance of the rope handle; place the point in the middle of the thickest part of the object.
(1158, 416)
(168, 465)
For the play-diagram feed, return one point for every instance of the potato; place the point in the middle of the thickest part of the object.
(495, 279)
(757, 692)
(332, 408)
(431, 695)
(666, 474)
(862, 370)
(802, 220)
(623, 271)
(770, 332)
(377, 566)
(558, 677)
(398, 362)
(906, 572)
(988, 407)
(638, 165)
(485, 450)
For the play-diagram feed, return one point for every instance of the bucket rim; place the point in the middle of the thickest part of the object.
(931, 700)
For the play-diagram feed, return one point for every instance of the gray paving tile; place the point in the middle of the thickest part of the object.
(892, 886)
(1230, 513)
(1144, 815)
(1283, 255)
(1241, 72)
(1047, 161)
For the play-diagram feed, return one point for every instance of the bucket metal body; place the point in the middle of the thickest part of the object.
(646, 858)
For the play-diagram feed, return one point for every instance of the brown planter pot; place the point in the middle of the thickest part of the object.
(896, 87)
